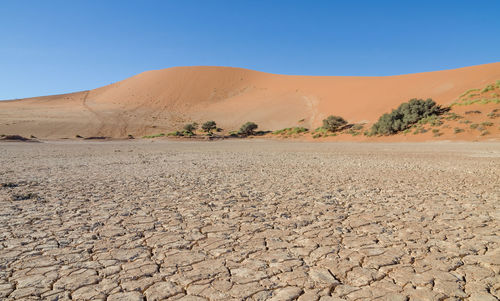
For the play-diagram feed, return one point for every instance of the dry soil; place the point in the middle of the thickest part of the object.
(249, 220)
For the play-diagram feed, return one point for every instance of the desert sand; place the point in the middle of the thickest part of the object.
(249, 220)
(161, 101)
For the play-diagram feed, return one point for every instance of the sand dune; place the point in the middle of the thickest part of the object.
(161, 100)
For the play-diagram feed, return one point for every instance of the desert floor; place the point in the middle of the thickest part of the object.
(256, 220)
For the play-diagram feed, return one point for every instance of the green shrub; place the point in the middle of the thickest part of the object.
(487, 123)
(209, 126)
(190, 128)
(457, 130)
(334, 123)
(248, 128)
(435, 131)
(474, 126)
(406, 115)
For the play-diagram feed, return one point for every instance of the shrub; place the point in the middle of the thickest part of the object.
(176, 133)
(457, 130)
(474, 126)
(487, 123)
(473, 112)
(484, 133)
(248, 128)
(190, 128)
(209, 126)
(333, 123)
(406, 115)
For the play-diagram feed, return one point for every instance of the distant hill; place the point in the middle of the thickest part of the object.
(162, 100)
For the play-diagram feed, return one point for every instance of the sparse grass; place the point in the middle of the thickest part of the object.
(487, 123)
(290, 131)
(473, 112)
(453, 116)
(474, 126)
(467, 92)
(478, 101)
(433, 120)
(493, 114)
(419, 130)
(457, 130)
(321, 131)
(176, 134)
(488, 88)
(465, 121)
(153, 136)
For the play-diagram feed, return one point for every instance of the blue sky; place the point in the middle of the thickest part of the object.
(58, 46)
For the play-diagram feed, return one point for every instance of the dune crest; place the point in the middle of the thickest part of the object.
(162, 100)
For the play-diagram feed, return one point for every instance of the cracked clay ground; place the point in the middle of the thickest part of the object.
(249, 220)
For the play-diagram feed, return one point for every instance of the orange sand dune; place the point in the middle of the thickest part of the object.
(162, 100)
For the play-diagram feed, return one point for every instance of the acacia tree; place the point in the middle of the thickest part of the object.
(248, 128)
(209, 126)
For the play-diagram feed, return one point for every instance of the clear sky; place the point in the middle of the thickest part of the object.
(58, 46)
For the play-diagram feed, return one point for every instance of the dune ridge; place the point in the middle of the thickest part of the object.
(161, 100)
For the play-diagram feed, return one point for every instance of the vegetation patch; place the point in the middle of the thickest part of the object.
(209, 126)
(334, 123)
(457, 130)
(154, 136)
(483, 96)
(248, 129)
(406, 115)
(291, 131)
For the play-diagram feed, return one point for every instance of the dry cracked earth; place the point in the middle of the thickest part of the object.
(249, 220)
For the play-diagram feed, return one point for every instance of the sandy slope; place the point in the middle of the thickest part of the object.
(161, 100)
